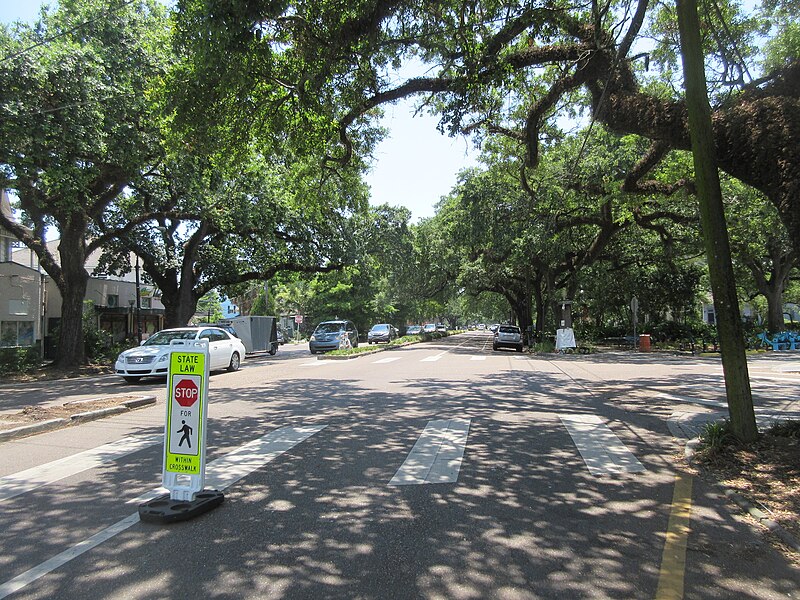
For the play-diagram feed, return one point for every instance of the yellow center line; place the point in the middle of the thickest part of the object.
(673, 561)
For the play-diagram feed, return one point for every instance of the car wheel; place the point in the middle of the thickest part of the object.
(131, 379)
(235, 362)
(313, 351)
(519, 348)
(494, 348)
(272, 350)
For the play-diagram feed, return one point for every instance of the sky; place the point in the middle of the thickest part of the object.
(414, 165)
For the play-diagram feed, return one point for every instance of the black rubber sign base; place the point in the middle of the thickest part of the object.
(165, 510)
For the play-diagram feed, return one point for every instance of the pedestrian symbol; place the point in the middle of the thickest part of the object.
(187, 431)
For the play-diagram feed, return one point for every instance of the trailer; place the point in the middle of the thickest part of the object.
(258, 334)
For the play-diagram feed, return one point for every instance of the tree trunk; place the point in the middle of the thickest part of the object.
(774, 296)
(538, 298)
(715, 233)
(72, 285)
(180, 306)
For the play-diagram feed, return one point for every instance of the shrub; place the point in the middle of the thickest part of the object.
(715, 436)
(19, 360)
(789, 429)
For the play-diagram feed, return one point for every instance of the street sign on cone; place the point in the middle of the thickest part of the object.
(184, 466)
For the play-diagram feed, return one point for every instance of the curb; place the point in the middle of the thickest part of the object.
(26, 430)
(360, 354)
(348, 356)
(97, 414)
(745, 505)
(23, 430)
(143, 401)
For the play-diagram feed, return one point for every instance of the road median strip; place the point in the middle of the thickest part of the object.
(64, 417)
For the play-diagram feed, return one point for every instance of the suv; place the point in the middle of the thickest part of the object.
(508, 336)
(383, 332)
(328, 336)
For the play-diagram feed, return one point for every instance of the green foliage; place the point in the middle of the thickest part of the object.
(76, 128)
(716, 436)
(788, 428)
(99, 345)
(14, 361)
(209, 307)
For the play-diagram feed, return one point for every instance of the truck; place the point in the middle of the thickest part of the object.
(258, 334)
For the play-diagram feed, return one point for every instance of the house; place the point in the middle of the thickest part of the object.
(30, 302)
(22, 293)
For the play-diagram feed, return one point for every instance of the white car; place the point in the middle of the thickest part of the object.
(152, 357)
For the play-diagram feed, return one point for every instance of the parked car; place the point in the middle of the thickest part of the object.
(493, 328)
(281, 336)
(225, 351)
(413, 329)
(429, 328)
(441, 327)
(508, 336)
(327, 336)
(382, 332)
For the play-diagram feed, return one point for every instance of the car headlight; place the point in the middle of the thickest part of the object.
(313, 338)
(163, 358)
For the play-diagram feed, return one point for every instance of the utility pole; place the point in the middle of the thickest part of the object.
(138, 302)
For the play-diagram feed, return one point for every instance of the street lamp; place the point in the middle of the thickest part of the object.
(138, 303)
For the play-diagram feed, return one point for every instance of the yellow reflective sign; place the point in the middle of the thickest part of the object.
(185, 415)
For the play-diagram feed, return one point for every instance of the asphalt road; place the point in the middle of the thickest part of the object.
(439, 470)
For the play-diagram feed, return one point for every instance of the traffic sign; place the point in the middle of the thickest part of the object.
(183, 470)
(186, 392)
(298, 319)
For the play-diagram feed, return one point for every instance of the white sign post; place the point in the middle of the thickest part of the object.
(184, 466)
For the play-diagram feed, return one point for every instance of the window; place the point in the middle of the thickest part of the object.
(146, 302)
(112, 301)
(5, 248)
(16, 333)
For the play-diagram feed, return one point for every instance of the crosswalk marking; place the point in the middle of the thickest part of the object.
(317, 363)
(228, 469)
(437, 455)
(386, 360)
(221, 473)
(691, 400)
(30, 479)
(433, 358)
(601, 450)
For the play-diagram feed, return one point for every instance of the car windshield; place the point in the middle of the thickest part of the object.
(329, 327)
(509, 329)
(380, 328)
(163, 338)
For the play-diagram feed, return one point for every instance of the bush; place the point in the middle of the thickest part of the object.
(790, 429)
(19, 360)
(715, 436)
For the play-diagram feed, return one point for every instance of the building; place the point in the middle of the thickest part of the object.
(30, 302)
(22, 293)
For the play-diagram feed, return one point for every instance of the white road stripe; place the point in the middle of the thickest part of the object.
(692, 400)
(221, 473)
(30, 479)
(477, 357)
(433, 358)
(386, 360)
(602, 451)
(773, 378)
(437, 455)
(317, 363)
